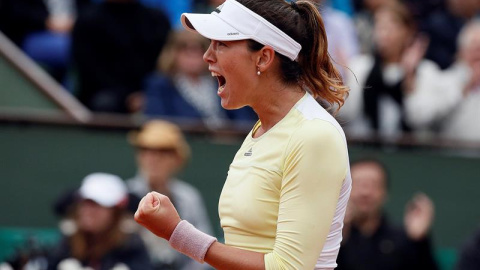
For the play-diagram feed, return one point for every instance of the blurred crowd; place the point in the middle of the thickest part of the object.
(122, 56)
(417, 72)
(413, 66)
(98, 232)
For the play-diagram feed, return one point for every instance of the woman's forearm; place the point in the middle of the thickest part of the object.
(223, 257)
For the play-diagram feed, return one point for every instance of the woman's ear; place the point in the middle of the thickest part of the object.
(266, 55)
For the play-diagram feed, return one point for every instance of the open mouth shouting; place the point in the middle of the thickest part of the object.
(221, 81)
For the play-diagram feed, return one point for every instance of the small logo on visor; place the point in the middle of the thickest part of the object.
(233, 34)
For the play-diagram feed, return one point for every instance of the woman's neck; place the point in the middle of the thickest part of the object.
(275, 105)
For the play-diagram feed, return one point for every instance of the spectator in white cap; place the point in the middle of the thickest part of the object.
(98, 240)
(284, 199)
(161, 152)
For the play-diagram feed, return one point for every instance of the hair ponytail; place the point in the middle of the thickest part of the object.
(302, 21)
(320, 76)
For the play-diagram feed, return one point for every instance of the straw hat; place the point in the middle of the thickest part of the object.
(159, 134)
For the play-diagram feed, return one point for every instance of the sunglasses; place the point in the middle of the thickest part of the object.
(163, 150)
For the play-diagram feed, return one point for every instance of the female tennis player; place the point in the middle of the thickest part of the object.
(284, 199)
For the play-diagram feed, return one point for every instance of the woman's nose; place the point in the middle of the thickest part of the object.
(208, 55)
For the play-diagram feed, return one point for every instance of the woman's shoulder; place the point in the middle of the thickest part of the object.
(321, 142)
(318, 129)
(314, 119)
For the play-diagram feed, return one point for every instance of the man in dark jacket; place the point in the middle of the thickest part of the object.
(370, 241)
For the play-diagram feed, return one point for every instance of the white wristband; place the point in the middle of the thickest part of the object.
(190, 241)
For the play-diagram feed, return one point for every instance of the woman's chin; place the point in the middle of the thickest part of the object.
(231, 106)
(227, 105)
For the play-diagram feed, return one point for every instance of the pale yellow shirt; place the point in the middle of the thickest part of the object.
(286, 191)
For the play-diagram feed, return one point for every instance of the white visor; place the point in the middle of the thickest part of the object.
(233, 21)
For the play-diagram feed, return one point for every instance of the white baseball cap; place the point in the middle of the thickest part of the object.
(233, 21)
(107, 190)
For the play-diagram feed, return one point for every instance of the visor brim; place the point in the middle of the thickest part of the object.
(211, 27)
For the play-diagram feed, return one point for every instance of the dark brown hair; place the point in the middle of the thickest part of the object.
(314, 69)
(114, 237)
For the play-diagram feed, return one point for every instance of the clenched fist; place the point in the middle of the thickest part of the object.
(157, 213)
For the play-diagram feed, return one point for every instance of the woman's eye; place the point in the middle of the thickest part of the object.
(216, 44)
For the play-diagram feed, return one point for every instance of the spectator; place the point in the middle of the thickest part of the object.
(185, 88)
(98, 239)
(443, 26)
(115, 45)
(364, 22)
(370, 241)
(161, 151)
(451, 102)
(42, 29)
(379, 82)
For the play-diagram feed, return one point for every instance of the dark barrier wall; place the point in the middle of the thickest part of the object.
(37, 162)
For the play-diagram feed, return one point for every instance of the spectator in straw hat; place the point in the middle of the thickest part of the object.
(161, 151)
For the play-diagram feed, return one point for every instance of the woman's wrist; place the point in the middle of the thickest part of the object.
(171, 229)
